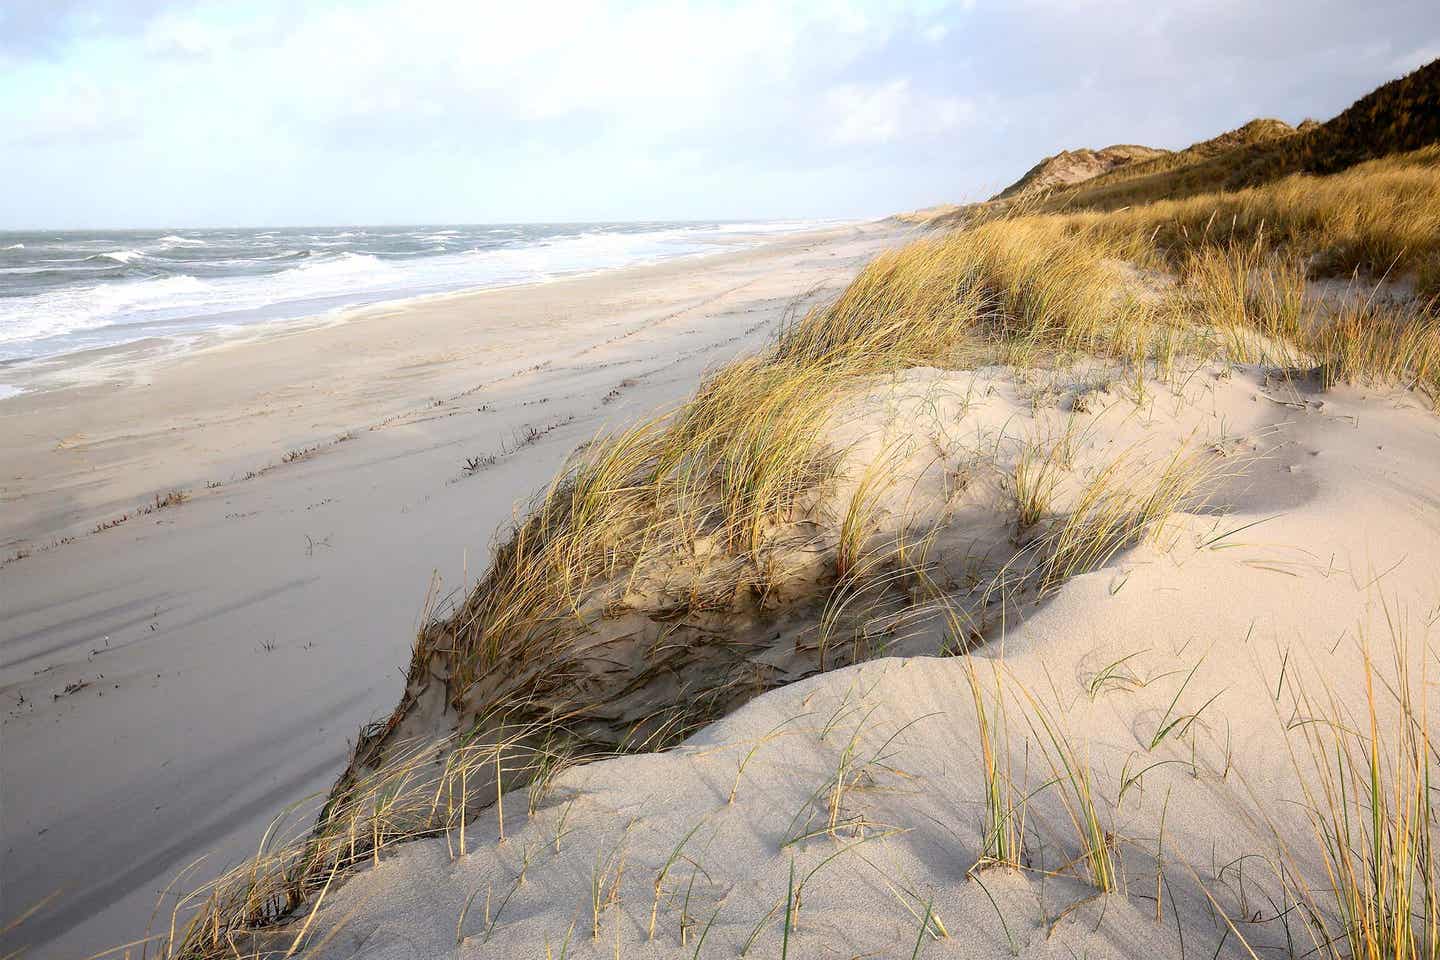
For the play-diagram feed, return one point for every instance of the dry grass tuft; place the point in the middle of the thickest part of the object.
(1369, 789)
(1378, 218)
(1368, 342)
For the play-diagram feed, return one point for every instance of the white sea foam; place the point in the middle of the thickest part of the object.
(119, 256)
(7, 391)
(14, 246)
(80, 309)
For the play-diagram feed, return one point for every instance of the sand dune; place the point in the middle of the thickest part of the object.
(1170, 533)
(1057, 586)
(1320, 522)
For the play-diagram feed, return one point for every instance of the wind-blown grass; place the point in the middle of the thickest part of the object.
(1379, 218)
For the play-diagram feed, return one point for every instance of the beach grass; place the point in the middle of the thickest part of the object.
(1369, 796)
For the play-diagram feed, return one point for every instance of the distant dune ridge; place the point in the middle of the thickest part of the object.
(1062, 587)
(1070, 167)
(1259, 131)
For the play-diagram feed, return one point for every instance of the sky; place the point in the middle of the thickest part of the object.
(138, 113)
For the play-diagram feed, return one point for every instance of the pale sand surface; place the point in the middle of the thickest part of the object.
(1345, 504)
(188, 734)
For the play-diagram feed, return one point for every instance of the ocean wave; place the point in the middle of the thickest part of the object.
(77, 310)
(65, 271)
(97, 299)
(177, 241)
(14, 246)
(280, 256)
(119, 256)
(347, 262)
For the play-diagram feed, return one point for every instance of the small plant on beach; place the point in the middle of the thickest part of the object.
(1115, 675)
(1254, 299)
(1177, 724)
(1003, 833)
(663, 872)
(1124, 502)
(853, 767)
(773, 733)
(554, 756)
(172, 499)
(1370, 342)
(1076, 781)
(1036, 475)
(878, 476)
(605, 878)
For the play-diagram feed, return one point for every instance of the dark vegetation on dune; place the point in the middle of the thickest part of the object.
(1402, 115)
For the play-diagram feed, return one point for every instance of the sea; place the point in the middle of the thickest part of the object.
(68, 291)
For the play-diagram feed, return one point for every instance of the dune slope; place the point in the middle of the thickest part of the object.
(869, 782)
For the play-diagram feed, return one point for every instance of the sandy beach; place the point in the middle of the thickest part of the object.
(467, 494)
(172, 681)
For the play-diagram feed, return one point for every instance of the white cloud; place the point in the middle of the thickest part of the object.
(545, 60)
(891, 111)
(185, 37)
(79, 111)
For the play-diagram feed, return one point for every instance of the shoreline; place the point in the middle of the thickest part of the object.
(95, 380)
(207, 334)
